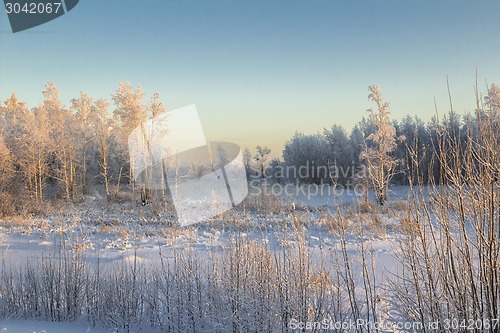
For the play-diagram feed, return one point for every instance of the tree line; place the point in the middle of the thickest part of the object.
(54, 151)
(59, 152)
(381, 151)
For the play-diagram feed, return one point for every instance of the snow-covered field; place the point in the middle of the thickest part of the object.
(125, 236)
(33, 326)
(127, 229)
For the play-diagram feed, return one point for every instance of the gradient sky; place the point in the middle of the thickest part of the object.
(260, 70)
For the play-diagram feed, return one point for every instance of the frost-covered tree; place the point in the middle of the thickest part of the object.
(416, 148)
(129, 113)
(81, 108)
(65, 140)
(155, 105)
(247, 162)
(275, 170)
(34, 156)
(102, 134)
(7, 167)
(12, 117)
(7, 175)
(12, 130)
(308, 156)
(492, 101)
(379, 145)
(340, 161)
(260, 158)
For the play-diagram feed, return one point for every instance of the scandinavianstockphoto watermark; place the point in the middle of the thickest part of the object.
(310, 170)
(308, 180)
(309, 191)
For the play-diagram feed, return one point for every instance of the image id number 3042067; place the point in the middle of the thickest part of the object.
(33, 8)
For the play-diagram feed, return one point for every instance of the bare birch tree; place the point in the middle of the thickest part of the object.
(102, 125)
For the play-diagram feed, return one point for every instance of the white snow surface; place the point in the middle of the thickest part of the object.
(33, 326)
(122, 234)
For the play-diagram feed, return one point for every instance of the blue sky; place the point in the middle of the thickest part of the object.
(260, 70)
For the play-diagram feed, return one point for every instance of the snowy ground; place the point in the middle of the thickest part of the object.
(126, 231)
(32, 326)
